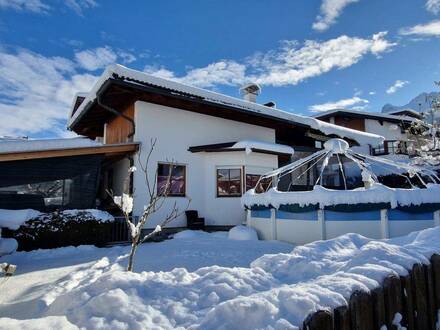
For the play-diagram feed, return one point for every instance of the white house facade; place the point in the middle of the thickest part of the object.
(391, 126)
(221, 144)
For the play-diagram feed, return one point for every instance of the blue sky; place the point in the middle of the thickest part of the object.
(308, 55)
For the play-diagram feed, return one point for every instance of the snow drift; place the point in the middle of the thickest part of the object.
(277, 292)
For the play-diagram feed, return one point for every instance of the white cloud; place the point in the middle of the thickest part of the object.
(398, 84)
(36, 6)
(425, 30)
(433, 6)
(79, 5)
(291, 65)
(219, 73)
(98, 58)
(36, 92)
(330, 11)
(41, 7)
(126, 56)
(354, 103)
(372, 93)
(288, 65)
(224, 72)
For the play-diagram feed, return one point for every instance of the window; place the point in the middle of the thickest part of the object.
(392, 147)
(229, 182)
(251, 182)
(388, 147)
(177, 180)
(379, 150)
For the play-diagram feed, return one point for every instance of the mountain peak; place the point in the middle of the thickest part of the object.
(421, 103)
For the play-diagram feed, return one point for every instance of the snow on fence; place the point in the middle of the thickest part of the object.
(411, 301)
(301, 225)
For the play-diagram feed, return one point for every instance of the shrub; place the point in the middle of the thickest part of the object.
(65, 228)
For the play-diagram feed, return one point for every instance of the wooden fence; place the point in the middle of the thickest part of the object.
(415, 296)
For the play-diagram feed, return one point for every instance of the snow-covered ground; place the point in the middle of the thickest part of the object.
(216, 285)
(44, 276)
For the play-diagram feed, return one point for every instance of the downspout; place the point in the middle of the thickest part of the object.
(117, 113)
(133, 129)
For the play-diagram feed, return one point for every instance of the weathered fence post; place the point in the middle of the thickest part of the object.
(430, 295)
(361, 311)
(320, 320)
(341, 318)
(407, 302)
(420, 298)
(378, 307)
(435, 262)
(393, 299)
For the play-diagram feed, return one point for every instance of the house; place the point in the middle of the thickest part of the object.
(221, 144)
(391, 126)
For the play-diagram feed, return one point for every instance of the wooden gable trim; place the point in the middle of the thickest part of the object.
(106, 150)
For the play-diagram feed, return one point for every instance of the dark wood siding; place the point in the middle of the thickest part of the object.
(354, 123)
(119, 128)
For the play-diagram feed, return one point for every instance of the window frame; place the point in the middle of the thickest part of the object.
(184, 179)
(229, 168)
(261, 185)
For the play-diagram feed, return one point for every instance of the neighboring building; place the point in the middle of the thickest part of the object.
(407, 113)
(222, 144)
(391, 126)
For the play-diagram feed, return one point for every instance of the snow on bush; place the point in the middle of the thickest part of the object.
(276, 292)
(13, 219)
(243, 233)
(101, 216)
(7, 246)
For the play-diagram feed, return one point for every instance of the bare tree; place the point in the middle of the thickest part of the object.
(155, 201)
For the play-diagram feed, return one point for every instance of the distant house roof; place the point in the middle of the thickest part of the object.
(406, 112)
(49, 148)
(247, 146)
(136, 79)
(364, 114)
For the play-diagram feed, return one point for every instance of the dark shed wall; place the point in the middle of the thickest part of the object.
(42, 184)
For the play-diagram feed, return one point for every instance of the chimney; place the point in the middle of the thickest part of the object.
(250, 92)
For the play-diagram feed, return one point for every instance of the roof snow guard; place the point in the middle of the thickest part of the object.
(120, 72)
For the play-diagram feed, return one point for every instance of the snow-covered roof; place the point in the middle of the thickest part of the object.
(45, 144)
(378, 115)
(210, 96)
(249, 145)
(397, 111)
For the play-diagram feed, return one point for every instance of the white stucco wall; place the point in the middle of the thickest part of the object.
(176, 130)
(120, 173)
(389, 131)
